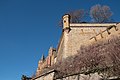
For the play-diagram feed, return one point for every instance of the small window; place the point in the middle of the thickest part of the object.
(64, 21)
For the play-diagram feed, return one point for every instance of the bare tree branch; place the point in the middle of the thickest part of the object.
(100, 13)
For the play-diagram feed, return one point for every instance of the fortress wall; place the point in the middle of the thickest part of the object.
(60, 49)
(73, 36)
(79, 36)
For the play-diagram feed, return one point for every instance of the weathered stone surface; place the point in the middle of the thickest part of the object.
(94, 76)
(49, 76)
(72, 40)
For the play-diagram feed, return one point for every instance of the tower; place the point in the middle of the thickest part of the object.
(66, 30)
(66, 21)
(42, 58)
(40, 65)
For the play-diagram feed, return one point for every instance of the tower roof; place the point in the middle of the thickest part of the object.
(42, 58)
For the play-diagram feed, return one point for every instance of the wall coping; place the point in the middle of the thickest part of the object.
(92, 24)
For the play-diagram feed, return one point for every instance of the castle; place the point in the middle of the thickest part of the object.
(73, 36)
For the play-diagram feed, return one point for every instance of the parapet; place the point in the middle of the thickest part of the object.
(67, 24)
(91, 24)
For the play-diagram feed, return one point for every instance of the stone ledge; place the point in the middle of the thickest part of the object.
(92, 24)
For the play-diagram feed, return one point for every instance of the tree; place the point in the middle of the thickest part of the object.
(77, 15)
(102, 57)
(24, 77)
(100, 13)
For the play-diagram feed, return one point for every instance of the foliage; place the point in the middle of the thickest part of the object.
(100, 13)
(24, 77)
(77, 15)
(97, 12)
(102, 57)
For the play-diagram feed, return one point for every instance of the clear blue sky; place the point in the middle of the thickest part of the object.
(29, 27)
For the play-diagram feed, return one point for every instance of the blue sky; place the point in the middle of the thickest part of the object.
(29, 27)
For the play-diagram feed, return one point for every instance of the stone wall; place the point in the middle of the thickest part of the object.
(78, 36)
(93, 76)
(73, 38)
(60, 48)
(46, 76)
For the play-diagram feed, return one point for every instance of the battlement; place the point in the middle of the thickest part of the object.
(111, 30)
